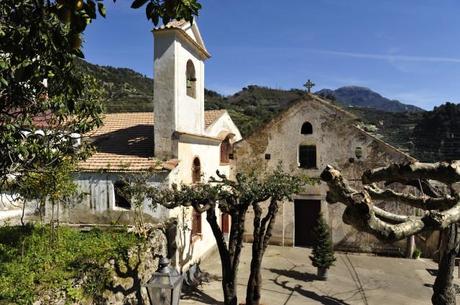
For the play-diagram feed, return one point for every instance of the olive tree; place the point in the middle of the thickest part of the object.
(235, 197)
(45, 103)
(440, 201)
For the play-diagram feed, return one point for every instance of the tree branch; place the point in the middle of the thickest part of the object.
(388, 216)
(446, 172)
(424, 203)
(364, 216)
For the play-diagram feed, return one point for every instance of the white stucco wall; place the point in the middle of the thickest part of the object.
(209, 154)
(174, 109)
(189, 111)
(164, 92)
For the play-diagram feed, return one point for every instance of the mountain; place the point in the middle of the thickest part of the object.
(364, 97)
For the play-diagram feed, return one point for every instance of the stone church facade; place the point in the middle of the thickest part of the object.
(306, 137)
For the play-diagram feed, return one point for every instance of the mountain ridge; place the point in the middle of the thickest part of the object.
(357, 96)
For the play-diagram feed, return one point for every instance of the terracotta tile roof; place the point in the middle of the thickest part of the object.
(125, 143)
(211, 116)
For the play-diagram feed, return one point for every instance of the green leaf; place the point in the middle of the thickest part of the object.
(101, 8)
(149, 10)
(138, 3)
(3, 81)
(79, 53)
(91, 11)
(155, 19)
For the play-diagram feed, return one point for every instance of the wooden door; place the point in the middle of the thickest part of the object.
(225, 223)
(306, 213)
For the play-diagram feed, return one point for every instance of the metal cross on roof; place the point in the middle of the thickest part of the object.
(309, 84)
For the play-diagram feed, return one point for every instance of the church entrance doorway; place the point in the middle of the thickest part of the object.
(225, 223)
(306, 213)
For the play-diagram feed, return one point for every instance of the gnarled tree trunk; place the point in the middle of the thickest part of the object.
(261, 235)
(228, 272)
(230, 256)
(441, 210)
(443, 289)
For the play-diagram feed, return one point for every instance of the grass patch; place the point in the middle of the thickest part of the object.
(31, 264)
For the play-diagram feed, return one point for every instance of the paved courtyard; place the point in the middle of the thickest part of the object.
(289, 279)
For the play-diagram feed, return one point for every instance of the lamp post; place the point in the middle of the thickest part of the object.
(165, 285)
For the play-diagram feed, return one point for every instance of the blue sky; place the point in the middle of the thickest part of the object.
(404, 49)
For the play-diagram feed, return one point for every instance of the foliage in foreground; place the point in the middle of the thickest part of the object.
(40, 92)
(29, 265)
(45, 103)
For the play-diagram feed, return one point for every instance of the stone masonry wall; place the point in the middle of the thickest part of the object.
(337, 140)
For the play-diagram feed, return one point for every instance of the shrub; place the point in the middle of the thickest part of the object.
(30, 265)
(417, 253)
(323, 252)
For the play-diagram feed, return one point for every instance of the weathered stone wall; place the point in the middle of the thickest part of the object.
(337, 141)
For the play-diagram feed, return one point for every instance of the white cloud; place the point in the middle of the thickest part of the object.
(390, 57)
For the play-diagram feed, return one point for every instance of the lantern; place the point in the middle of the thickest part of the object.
(165, 285)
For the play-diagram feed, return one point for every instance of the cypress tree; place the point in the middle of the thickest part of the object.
(323, 252)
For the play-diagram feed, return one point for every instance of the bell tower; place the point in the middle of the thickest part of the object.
(179, 56)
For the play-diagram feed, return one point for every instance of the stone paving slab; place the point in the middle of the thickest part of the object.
(289, 279)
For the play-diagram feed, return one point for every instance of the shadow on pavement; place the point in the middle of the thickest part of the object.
(295, 275)
(303, 277)
(323, 299)
(432, 272)
(198, 295)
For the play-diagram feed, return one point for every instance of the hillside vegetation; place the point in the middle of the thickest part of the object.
(395, 128)
(437, 135)
(127, 90)
(253, 106)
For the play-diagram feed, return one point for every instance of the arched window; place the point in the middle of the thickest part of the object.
(191, 79)
(196, 171)
(120, 196)
(307, 128)
(225, 150)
